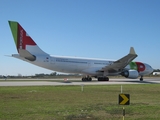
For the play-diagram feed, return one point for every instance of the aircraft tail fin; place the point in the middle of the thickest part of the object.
(25, 45)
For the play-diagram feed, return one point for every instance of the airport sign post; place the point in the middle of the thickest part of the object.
(124, 99)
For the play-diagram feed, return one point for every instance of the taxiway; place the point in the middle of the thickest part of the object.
(60, 82)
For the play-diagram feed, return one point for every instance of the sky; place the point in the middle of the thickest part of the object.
(83, 28)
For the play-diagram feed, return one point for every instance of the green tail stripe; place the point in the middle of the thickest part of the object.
(14, 28)
(133, 65)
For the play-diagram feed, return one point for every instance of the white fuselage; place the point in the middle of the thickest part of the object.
(88, 66)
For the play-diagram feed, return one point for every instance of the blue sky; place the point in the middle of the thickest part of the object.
(84, 28)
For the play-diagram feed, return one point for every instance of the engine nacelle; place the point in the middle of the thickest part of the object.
(133, 74)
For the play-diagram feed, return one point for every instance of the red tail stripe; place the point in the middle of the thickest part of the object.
(23, 39)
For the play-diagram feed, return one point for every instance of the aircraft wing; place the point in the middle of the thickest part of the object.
(121, 63)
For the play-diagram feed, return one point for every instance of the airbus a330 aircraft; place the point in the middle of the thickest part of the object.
(29, 51)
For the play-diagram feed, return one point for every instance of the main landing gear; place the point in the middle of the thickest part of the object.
(141, 78)
(103, 79)
(87, 78)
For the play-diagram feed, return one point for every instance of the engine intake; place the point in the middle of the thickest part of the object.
(133, 74)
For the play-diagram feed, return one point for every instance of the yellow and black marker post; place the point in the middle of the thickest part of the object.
(123, 113)
(124, 99)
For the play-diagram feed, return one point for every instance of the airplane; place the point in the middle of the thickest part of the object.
(30, 52)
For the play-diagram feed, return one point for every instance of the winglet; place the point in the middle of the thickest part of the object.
(132, 51)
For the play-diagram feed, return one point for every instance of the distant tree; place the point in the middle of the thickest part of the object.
(53, 74)
(40, 75)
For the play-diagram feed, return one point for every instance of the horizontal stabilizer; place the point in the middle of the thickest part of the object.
(8, 55)
(27, 55)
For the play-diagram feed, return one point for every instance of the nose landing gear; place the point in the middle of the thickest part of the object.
(141, 78)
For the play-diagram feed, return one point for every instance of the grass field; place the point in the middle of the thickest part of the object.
(70, 103)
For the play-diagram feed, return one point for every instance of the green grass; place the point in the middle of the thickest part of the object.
(70, 103)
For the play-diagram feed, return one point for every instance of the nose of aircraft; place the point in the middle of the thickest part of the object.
(148, 69)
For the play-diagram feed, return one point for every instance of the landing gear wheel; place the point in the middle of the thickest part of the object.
(90, 79)
(103, 79)
(87, 78)
(141, 78)
(83, 79)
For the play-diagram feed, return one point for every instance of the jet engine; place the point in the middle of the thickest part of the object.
(133, 74)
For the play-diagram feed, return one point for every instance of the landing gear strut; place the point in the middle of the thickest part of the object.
(103, 79)
(87, 78)
(141, 78)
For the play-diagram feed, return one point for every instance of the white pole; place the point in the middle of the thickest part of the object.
(121, 89)
(82, 87)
